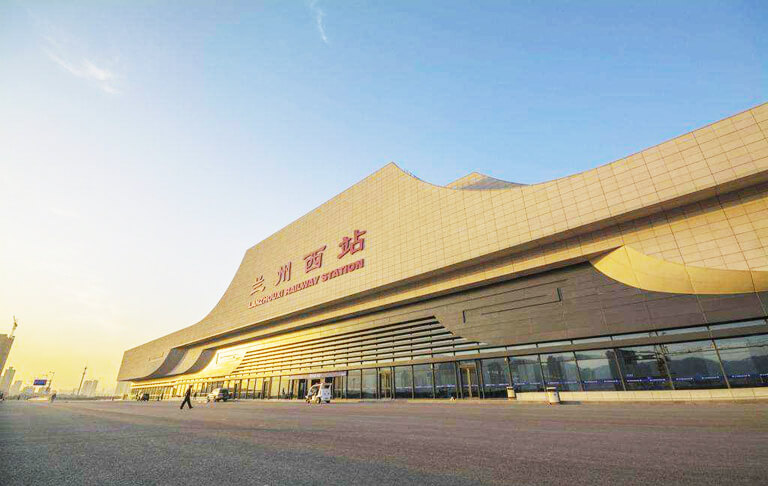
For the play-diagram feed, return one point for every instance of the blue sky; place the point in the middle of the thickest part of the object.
(145, 145)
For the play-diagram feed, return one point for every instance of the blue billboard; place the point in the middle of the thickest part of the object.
(40, 382)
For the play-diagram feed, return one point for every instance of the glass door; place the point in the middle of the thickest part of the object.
(385, 383)
(469, 380)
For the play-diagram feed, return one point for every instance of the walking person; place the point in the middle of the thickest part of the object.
(187, 398)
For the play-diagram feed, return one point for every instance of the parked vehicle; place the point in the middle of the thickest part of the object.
(218, 395)
(319, 393)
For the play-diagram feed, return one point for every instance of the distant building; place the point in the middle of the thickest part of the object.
(6, 341)
(15, 388)
(89, 388)
(5, 382)
(5, 348)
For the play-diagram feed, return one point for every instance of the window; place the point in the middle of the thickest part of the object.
(339, 383)
(521, 346)
(734, 325)
(592, 340)
(370, 376)
(745, 360)
(422, 381)
(554, 343)
(635, 335)
(495, 377)
(526, 374)
(598, 370)
(693, 365)
(353, 384)
(643, 368)
(403, 382)
(560, 371)
(445, 380)
(667, 332)
(493, 350)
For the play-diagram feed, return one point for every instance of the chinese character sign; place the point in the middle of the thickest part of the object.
(284, 274)
(258, 286)
(352, 245)
(314, 260)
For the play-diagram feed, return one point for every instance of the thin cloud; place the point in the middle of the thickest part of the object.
(319, 19)
(86, 69)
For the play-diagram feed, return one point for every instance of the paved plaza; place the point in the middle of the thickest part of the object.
(491, 442)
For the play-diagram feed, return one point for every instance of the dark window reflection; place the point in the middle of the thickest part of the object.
(745, 360)
(599, 371)
(560, 371)
(690, 365)
(643, 368)
(693, 365)
(339, 383)
(445, 380)
(495, 377)
(526, 374)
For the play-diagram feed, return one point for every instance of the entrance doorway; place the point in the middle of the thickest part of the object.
(469, 380)
(385, 383)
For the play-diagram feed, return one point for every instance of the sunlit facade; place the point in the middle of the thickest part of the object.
(645, 278)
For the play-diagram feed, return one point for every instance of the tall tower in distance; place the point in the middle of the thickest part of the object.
(5, 381)
(5, 345)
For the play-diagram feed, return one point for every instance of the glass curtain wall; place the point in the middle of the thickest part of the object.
(339, 385)
(745, 360)
(445, 380)
(693, 365)
(560, 371)
(403, 382)
(526, 374)
(643, 368)
(353, 384)
(422, 381)
(370, 376)
(599, 370)
(495, 377)
(720, 363)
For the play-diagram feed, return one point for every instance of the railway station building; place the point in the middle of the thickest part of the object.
(642, 279)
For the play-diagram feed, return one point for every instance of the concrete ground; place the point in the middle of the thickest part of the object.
(490, 442)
